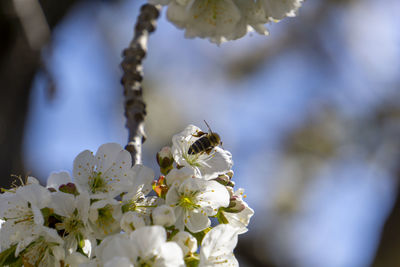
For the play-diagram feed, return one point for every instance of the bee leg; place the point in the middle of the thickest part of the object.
(198, 134)
(208, 151)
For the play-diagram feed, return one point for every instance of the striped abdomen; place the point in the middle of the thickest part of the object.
(203, 144)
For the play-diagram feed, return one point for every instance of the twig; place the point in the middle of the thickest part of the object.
(135, 107)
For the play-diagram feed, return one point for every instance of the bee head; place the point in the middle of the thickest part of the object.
(214, 139)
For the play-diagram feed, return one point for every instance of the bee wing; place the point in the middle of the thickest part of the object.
(198, 134)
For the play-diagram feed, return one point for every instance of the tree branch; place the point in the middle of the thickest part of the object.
(135, 107)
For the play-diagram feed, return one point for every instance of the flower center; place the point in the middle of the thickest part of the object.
(36, 252)
(97, 183)
(105, 219)
(73, 225)
(188, 203)
(193, 159)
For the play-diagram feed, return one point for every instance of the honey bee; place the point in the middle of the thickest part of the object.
(205, 143)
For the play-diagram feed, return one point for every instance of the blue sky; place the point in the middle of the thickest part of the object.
(344, 206)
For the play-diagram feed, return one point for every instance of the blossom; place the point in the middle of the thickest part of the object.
(224, 20)
(205, 165)
(145, 246)
(217, 247)
(194, 200)
(45, 250)
(73, 213)
(104, 217)
(104, 175)
(238, 215)
(22, 214)
(135, 198)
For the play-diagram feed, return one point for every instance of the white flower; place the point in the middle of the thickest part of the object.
(145, 246)
(140, 185)
(22, 215)
(207, 166)
(131, 221)
(217, 247)
(46, 250)
(186, 241)
(240, 219)
(163, 215)
(74, 213)
(104, 175)
(104, 217)
(194, 200)
(140, 180)
(223, 20)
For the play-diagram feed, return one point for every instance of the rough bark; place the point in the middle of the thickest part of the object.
(135, 107)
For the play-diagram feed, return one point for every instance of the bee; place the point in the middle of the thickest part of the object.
(205, 143)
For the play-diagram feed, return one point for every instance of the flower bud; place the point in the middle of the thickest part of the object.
(225, 179)
(163, 215)
(236, 203)
(165, 159)
(69, 188)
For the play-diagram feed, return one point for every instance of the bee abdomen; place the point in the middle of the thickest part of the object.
(200, 145)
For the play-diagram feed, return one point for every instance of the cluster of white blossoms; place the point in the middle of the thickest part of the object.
(113, 214)
(224, 20)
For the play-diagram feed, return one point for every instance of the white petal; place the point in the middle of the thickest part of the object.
(177, 176)
(240, 220)
(62, 203)
(118, 245)
(142, 178)
(214, 197)
(131, 221)
(32, 180)
(35, 194)
(197, 221)
(148, 238)
(119, 261)
(170, 256)
(58, 178)
(111, 153)
(186, 241)
(163, 215)
(172, 197)
(220, 163)
(218, 245)
(84, 165)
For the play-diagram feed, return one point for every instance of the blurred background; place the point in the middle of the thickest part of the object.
(310, 113)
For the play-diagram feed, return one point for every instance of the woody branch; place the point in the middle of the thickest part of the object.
(135, 107)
